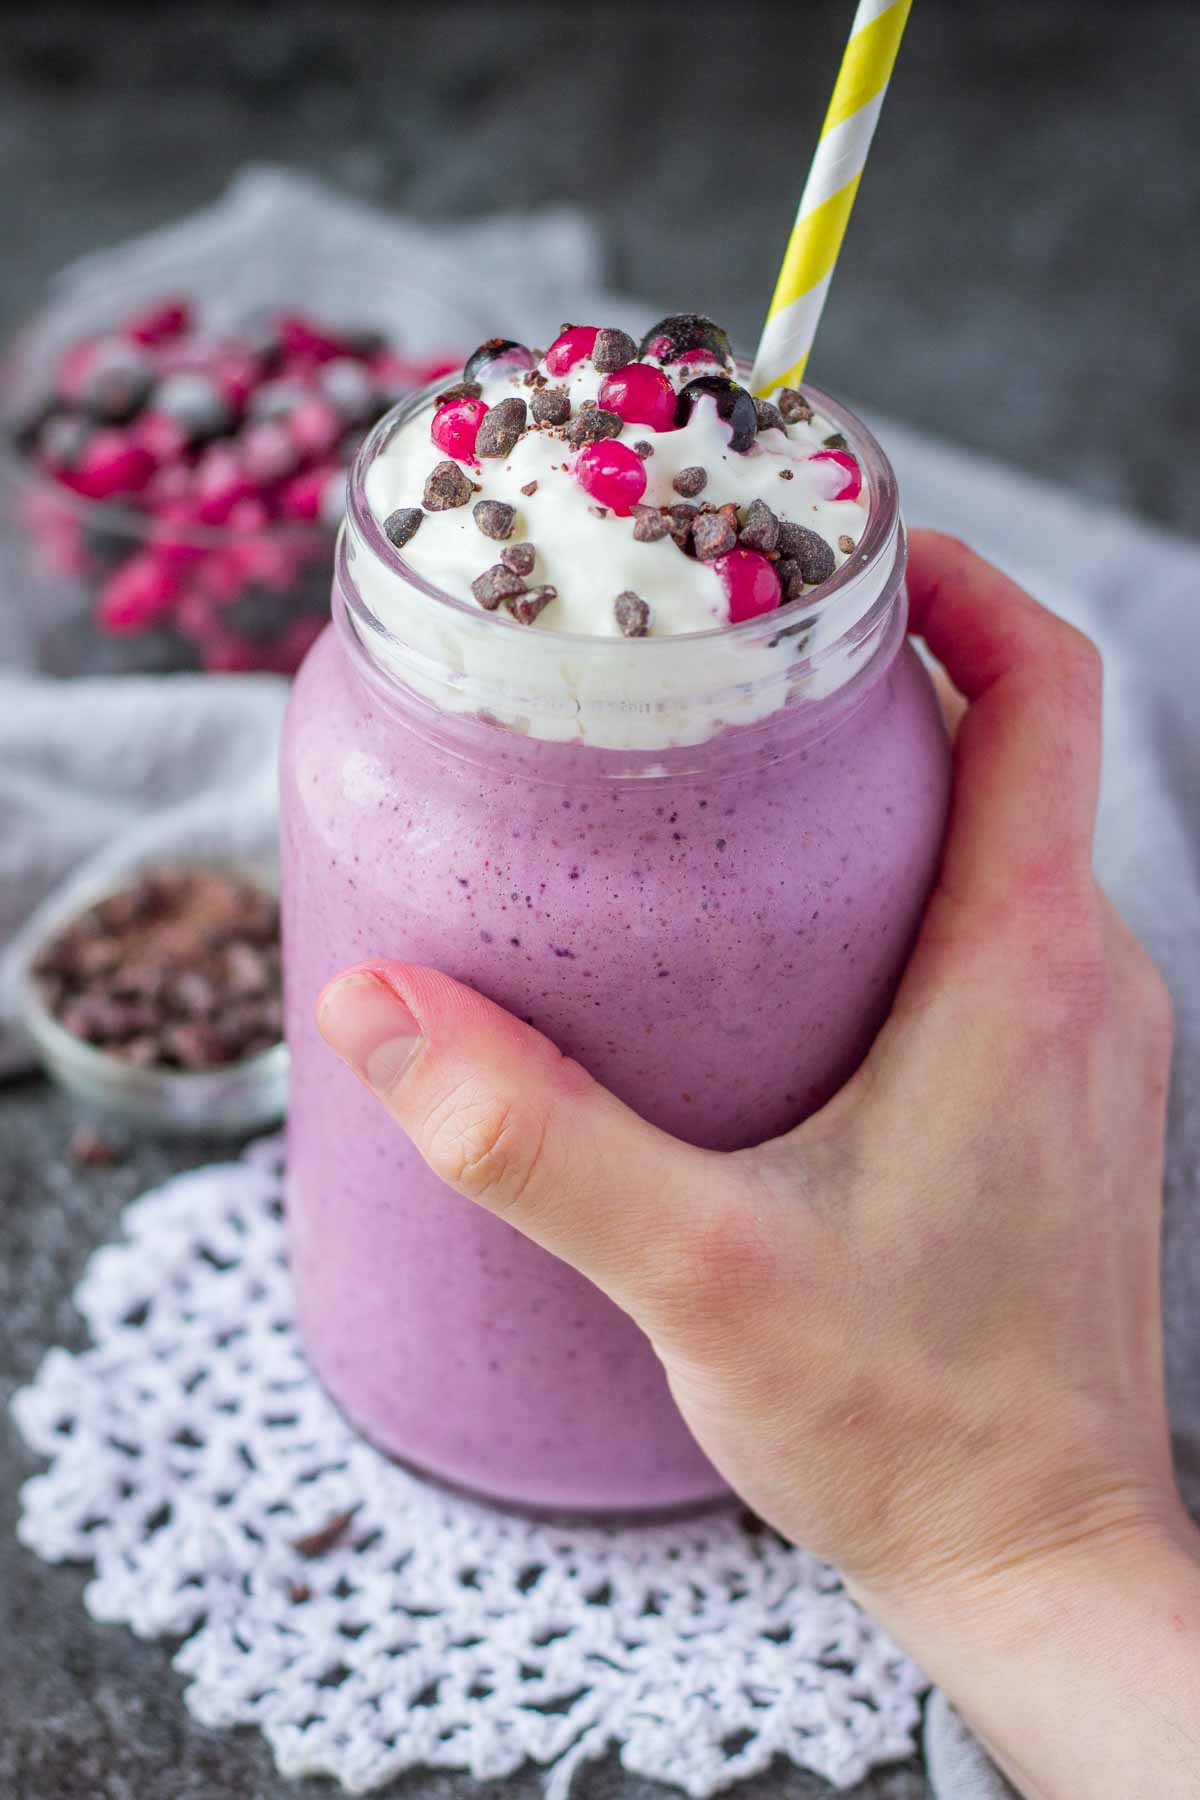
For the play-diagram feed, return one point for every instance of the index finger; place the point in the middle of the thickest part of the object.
(1027, 754)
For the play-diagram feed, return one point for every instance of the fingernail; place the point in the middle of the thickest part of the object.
(369, 1026)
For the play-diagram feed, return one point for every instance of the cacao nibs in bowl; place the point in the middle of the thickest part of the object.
(177, 971)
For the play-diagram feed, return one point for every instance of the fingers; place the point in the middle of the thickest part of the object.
(506, 1120)
(1027, 754)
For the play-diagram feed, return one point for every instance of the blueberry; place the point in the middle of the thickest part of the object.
(502, 350)
(734, 405)
(194, 401)
(678, 333)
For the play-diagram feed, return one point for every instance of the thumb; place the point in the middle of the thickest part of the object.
(506, 1120)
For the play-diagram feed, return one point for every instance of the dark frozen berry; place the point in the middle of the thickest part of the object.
(632, 614)
(591, 424)
(63, 439)
(500, 427)
(691, 481)
(612, 350)
(347, 386)
(793, 406)
(761, 528)
(649, 525)
(494, 518)
(712, 536)
(275, 399)
(461, 390)
(526, 607)
(769, 416)
(402, 525)
(496, 584)
(447, 486)
(519, 558)
(118, 383)
(551, 406)
(195, 402)
(572, 344)
(678, 333)
(808, 550)
(502, 351)
(734, 404)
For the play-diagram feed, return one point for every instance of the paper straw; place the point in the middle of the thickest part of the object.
(829, 193)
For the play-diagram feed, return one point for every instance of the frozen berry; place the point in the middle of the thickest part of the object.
(195, 402)
(592, 423)
(346, 384)
(495, 355)
(221, 481)
(847, 486)
(494, 518)
(612, 474)
(678, 333)
(526, 607)
(640, 395)
(813, 557)
(402, 525)
(275, 399)
(761, 528)
(315, 426)
(691, 481)
(612, 350)
(500, 427)
(750, 583)
(161, 320)
(164, 437)
(550, 406)
(455, 427)
(332, 508)
(269, 452)
(63, 439)
(138, 595)
(300, 498)
(118, 381)
(734, 404)
(300, 336)
(574, 343)
(446, 487)
(111, 463)
(632, 615)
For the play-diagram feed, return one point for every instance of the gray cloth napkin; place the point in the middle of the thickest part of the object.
(96, 774)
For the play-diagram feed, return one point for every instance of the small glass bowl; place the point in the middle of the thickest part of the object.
(230, 1102)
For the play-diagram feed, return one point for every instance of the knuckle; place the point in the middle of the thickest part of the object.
(715, 1268)
(483, 1146)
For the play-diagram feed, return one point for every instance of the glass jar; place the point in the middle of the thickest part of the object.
(697, 863)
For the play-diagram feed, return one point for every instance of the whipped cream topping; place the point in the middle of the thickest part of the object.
(589, 554)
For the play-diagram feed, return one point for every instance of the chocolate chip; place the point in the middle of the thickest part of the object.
(446, 487)
(402, 525)
(680, 519)
(793, 406)
(835, 441)
(526, 607)
(612, 350)
(787, 475)
(807, 548)
(529, 488)
(494, 518)
(494, 585)
(462, 390)
(632, 614)
(791, 578)
(761, 529)
(712, 536)
(769, 416)
(592, 423)
(500, 427)
(551, 406)
(649, 525)
(691, 481)
(519, 558)
(643, 448)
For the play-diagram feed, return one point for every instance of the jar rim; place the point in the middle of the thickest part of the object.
(879, 535)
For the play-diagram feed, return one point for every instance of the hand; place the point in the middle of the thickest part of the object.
(921, 1332)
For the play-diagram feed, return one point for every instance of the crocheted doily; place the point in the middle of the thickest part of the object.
(369, 1622)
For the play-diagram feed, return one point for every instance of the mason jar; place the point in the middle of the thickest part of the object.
(696, 862)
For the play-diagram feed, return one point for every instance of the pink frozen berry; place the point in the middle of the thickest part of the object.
(613, 474)
(221, 481)
(162, 435)
(161, 320)
(575, 343)
(315, 426)
(641, 395)
(750, 583)
(140, 593)
(173, 534)
(455, 427)
(111, 463)
(269, 451)
(849, 484)
(302, 336)
(301, 497)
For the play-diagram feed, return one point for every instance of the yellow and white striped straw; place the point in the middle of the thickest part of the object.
(829, 193)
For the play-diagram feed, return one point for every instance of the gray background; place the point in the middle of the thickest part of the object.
(1020, 274)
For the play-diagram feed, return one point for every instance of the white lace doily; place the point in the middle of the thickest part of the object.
(368, 1622)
